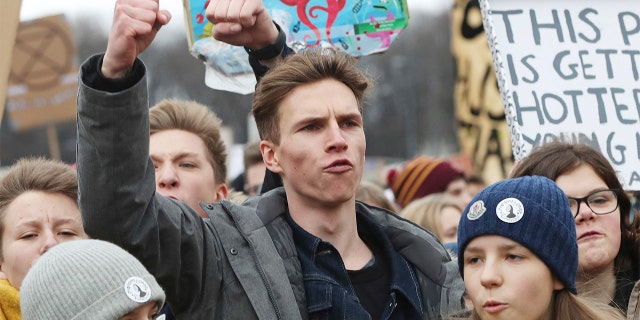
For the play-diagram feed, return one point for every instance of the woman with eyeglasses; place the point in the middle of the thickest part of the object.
(608, 242)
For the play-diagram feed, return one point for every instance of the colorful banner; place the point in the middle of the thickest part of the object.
(357, 27)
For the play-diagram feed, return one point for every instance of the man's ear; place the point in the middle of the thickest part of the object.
(222, 192)
(270, 156)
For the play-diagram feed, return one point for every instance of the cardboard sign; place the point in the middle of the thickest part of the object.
(43, 82)
(10, 17)
(357, 27)
(483, 133)
(570, 71)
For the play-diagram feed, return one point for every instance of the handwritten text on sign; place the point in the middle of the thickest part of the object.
(569, 70)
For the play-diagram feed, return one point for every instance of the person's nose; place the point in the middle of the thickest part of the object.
(491, 276)
(49, 241)
(336, 140)
(167, 177)
(584, 213)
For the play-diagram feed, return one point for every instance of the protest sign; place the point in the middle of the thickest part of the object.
(357, 27)
(483, 133)
(10, 17)
(43, 82)
(569, 71)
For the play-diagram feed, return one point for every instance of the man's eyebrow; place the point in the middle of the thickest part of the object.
(350, 116)
(176, 156)
(305, 120)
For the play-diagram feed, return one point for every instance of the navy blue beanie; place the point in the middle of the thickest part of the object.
(532, 211)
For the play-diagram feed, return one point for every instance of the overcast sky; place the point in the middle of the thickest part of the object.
(32, 9)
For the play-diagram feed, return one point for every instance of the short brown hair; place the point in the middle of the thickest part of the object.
(557, 158)
(196, 118)
(36, 174)
(305, 67)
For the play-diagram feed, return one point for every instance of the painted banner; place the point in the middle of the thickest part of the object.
(569, 71)
(358, 27)
(483, 133)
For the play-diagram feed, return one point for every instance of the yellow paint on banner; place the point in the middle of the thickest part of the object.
(480, 119)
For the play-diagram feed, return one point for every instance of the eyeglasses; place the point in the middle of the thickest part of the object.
(600, 202)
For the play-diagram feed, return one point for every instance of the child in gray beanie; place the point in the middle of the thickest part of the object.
(89, 279)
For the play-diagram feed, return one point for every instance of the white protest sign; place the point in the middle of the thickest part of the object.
(569, 70)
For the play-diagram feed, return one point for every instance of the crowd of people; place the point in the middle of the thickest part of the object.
(147, 226)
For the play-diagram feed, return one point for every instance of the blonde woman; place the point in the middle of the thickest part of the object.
(373, 194)
(438, 213)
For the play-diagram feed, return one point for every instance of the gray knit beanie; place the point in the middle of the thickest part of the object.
(86, 279)
(532, 211)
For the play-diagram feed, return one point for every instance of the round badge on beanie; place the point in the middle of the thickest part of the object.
(87, 279)
(137, 289)
(532, 211)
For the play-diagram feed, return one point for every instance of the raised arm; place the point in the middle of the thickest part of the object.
(247, 23)
(242, 23)
(135, 25)
(116, 179)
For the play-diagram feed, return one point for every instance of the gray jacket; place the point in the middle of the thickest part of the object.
(239, 264)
